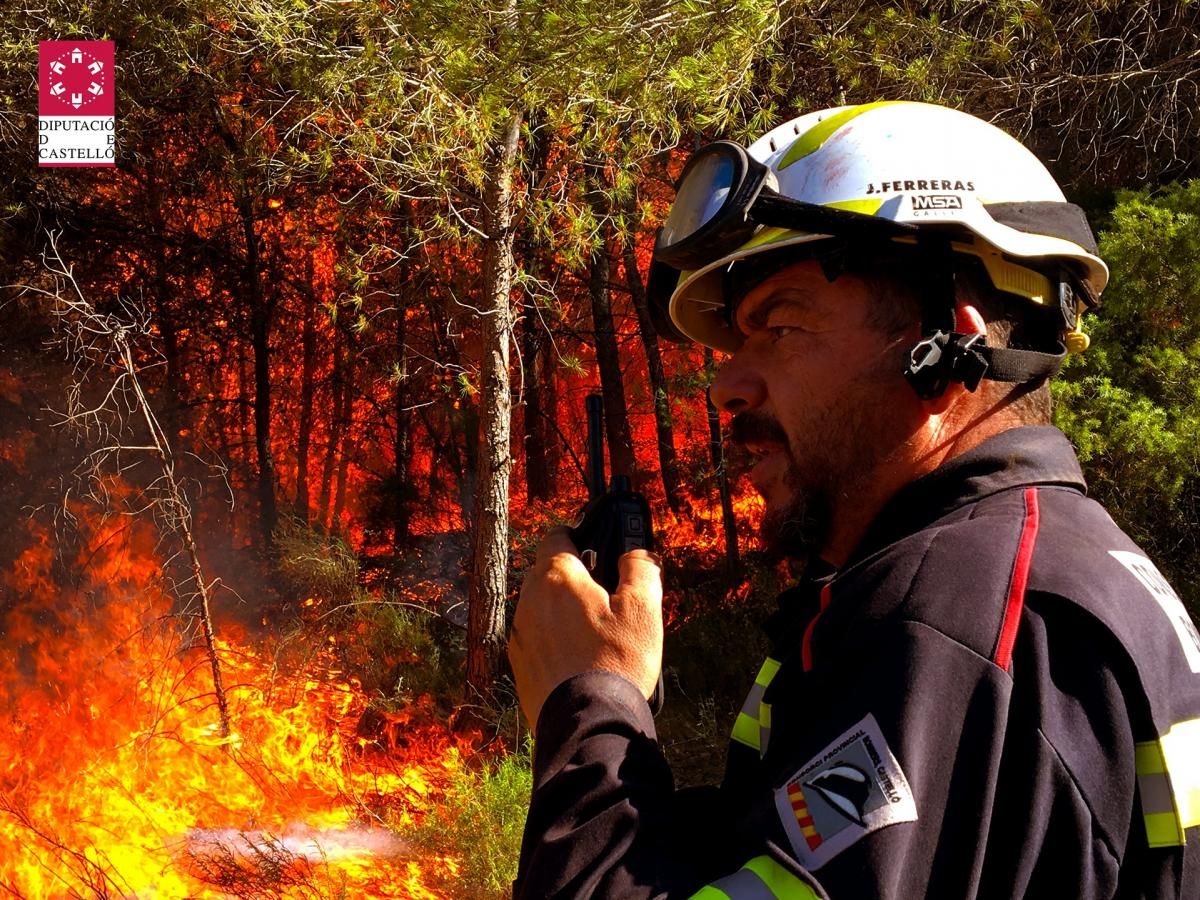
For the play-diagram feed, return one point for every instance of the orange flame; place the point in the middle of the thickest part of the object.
(116, 782)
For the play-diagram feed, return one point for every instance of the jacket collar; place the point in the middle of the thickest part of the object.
(1030, 455)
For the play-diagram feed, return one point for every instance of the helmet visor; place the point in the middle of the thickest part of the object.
(703, 192)
(710, 215)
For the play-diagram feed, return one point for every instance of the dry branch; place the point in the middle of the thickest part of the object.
(104, 342)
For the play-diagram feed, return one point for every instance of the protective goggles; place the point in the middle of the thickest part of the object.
(724, 195)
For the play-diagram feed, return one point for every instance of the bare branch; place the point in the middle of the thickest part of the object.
(128, 433)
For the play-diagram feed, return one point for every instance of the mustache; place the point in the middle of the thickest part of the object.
(758, 428)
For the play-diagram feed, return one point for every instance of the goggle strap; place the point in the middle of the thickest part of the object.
(776, 211)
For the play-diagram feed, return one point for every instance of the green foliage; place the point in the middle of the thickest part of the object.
(480, 821)
(1087, 84)
(399, 654)
(399, 651)
(419, 93)
(572, 365)
(405, 653)
(313, 562)
(1132, 403)
(708, 673)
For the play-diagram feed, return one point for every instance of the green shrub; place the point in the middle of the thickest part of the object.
(1131, 404)
(311, 562)
(406, 652)
(480, 821)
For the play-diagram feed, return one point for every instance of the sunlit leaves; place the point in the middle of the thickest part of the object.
(1103, 89)
(572, 365)
(466, 387)
(1132, 403)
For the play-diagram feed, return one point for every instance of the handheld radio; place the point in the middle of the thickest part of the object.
(614, 521)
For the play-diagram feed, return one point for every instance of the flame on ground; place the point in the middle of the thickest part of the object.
(115, 781)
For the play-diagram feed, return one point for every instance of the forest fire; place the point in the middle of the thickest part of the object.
(116, 782)
(332, 322)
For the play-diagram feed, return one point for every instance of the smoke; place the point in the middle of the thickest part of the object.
(298, 841)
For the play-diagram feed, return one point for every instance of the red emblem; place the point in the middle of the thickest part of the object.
(75, 78)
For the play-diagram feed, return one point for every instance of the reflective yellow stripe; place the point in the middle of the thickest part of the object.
(866, 207)
(746, 731)
(753, 724)
(1148, 759)
(1168, 774)
(1181, 752)
(811, 140)
(762, 878)
(1162, 830)
(783, 884)
(767, 236)
(767, 672)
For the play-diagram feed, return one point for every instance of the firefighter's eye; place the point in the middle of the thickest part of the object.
(781, 331)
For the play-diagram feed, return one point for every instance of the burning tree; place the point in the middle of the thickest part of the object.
(117, 781)
(103, 343)
(499, 121)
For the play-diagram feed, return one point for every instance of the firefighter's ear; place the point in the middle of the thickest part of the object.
(967, 320)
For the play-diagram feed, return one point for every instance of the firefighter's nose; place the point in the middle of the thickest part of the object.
(737, 388)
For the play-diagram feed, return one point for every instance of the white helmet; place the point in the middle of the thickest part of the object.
(897, 171)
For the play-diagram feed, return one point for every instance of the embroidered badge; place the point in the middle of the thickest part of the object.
(851, 788)
(1147, 573)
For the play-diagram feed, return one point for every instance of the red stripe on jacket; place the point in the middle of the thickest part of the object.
(1018, 582)
(806, 644)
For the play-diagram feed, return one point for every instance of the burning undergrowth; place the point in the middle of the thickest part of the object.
(115, 780)
(337, 776)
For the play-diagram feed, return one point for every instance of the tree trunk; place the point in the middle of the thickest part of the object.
(462, 431)
(261, 313)
(668, 461)
(732, 565)
(179, 513)
(308, 343)
(489, 575)
(465, 421)
(346, 416)
(221, 421)
(335, 432)
(173, 383)
(608, 355)
(260, 324)
(534, 352)
(244, 404)
(165, 315)
(537, 485)
(554, 449)
(402, 446)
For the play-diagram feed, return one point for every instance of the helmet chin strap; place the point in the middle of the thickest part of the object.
(941, 358)
(943, 355)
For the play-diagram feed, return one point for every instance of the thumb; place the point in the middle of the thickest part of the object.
(640, 581)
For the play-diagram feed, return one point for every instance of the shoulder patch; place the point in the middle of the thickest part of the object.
(851, 788)
(1152, 580)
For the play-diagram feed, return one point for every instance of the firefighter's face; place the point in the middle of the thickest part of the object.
(817, 393)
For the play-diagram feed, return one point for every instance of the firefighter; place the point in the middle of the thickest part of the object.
(980, 687)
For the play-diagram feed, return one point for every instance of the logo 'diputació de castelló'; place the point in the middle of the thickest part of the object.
(76, 103)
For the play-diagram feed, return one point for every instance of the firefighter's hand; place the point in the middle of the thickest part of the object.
(567, 624)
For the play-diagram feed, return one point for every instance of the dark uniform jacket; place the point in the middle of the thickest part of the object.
(997, 697)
